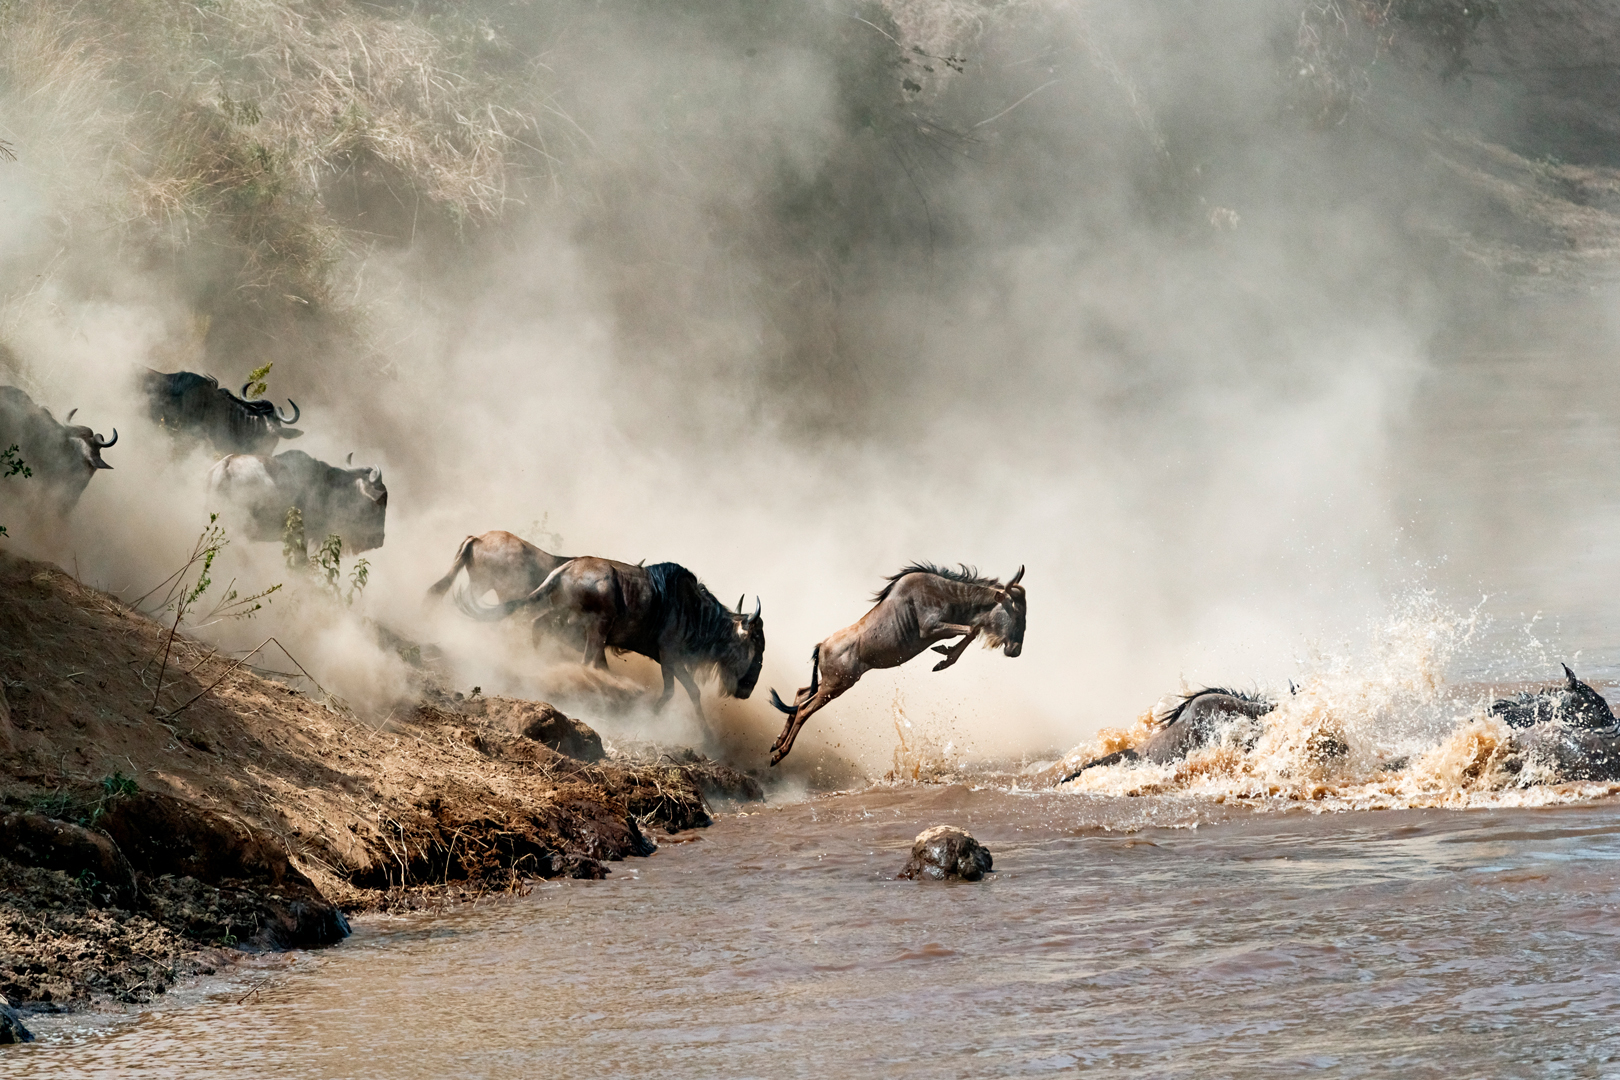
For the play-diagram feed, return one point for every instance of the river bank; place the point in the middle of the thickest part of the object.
(142, 844)
(1126, 936)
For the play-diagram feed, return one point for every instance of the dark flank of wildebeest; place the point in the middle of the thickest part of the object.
(501, 561)
(196, 406)
(919, 606)
(1194, 722)
(662, 612)
(1567, 732)
(61, 457)
(348, 502)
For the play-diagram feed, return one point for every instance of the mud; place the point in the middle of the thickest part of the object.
(142, 845)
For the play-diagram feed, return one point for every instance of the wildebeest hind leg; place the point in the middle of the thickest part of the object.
(831, 687)
(669, 689)
(595, 647)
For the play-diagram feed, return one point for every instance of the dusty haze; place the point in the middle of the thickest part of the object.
(1116, 301)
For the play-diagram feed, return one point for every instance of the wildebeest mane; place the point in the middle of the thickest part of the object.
(1249, 696)
(967, 575)
(702, 622)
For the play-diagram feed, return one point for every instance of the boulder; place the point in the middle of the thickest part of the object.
(574, 738)
(37, 840)
(11, 1026)
(946, 853)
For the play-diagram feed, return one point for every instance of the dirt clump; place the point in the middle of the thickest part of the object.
(140, 845)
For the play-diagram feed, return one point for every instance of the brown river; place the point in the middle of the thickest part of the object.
(1158, 936)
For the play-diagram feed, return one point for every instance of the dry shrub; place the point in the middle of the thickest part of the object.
(222, 131)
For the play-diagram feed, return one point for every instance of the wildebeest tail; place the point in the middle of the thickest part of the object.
(463, 560)
(815, 682)
(471, 608)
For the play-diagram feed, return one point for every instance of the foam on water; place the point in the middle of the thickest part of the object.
(1381, 729)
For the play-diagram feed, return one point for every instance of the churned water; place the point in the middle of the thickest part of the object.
(1160, 936)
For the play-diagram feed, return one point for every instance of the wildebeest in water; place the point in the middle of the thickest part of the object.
(196, 405)
(662, 612)
(349, 502)
(501, 561)
(1194, 722)
(920, 605)
(1569, 731)
(62, 457)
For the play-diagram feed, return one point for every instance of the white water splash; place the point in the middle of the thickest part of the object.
(1378, 730)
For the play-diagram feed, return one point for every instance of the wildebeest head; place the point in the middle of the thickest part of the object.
(369, 510)
(1004, 626)
(740, 667)
(87, 443)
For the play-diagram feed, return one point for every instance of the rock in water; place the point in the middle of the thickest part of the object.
(946, 853)
(11, 1026)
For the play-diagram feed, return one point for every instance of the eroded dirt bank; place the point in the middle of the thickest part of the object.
(142, 845)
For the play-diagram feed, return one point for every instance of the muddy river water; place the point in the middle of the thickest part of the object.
(1152, 936)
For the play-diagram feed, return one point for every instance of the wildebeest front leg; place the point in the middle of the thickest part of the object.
(953, 653)
(692, 691)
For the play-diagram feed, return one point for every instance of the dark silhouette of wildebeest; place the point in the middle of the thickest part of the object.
(196, 405)
(62, 457)
(662, 612)
(1193, 723)
(350, 502)
(1574, 704)
(919, 606)
(498, 560)
(1570, 731)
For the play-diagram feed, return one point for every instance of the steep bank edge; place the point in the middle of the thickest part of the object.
(256, 816)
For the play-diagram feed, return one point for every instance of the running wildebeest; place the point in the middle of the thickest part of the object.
(498, 560)
(919, 606)
(662, 612)
(62, 457)
(196, 405)
(353, 503)
(1191, 724)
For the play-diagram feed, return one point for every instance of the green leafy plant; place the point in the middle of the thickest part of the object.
(191, 582)
(325, 566)
(256, 380)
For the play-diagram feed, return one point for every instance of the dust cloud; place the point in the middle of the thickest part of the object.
(794, 295)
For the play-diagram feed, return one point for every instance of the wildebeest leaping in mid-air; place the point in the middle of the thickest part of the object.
(921, 605)
(662, 612)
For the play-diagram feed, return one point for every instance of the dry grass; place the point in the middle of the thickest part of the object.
(231, 122)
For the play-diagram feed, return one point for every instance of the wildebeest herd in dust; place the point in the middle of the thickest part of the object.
(662, 611)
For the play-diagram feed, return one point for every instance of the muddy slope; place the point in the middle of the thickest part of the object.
(135, 844)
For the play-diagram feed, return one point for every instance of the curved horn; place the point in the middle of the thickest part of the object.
(350, 459)
(293, 419)
(1016, 578)
(757, 607)
(740, 598)
(69, 419)
(245, 386)
(376, 475)
(103, 444)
